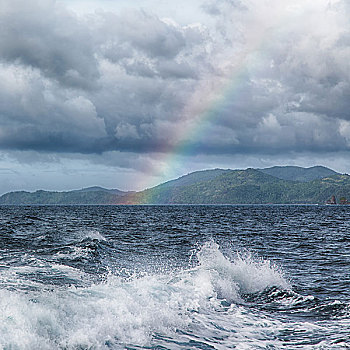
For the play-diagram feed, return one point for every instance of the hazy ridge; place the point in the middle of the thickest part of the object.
(276, 185)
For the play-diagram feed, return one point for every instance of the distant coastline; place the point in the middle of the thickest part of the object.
(275, 185)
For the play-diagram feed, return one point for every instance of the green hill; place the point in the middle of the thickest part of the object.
(195, 177)
(249, 186)
(84, 196)
(99, 189)
(295, 173)
(217, 186)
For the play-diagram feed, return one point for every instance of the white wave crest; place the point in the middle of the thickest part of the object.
(242, 275)
(92, 234)
(119, 312)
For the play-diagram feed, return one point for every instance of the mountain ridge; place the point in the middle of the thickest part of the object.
(212, 186)
(300, 174)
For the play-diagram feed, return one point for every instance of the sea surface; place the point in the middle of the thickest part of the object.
(174, 277)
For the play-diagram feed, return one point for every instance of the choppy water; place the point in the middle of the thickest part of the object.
(175, 277)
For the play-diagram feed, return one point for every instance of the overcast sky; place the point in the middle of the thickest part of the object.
(126, 94)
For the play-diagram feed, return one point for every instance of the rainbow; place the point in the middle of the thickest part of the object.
(202, 107)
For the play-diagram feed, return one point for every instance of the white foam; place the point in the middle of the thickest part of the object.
(242, 275)
(115, 311)
(74, 252)
(119, 311)
(92, 234)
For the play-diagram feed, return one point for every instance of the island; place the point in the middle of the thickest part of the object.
(275, 185)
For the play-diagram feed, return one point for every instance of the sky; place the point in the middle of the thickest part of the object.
(128, 94)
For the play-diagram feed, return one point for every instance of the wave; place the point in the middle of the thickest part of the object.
(90, 234)
(199, 307)
(245, 274)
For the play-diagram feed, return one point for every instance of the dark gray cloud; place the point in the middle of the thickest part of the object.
(273, 80)
(48, 38)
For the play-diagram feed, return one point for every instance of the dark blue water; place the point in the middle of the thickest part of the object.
(175, 277)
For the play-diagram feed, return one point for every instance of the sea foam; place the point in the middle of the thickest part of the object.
(134, 311)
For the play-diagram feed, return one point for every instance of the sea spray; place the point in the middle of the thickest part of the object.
(244, 274)
(153, 277)
(120, 311)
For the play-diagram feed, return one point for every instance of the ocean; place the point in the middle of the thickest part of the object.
(174, 277)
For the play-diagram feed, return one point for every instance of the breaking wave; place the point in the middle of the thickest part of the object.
(129, 311)
(206, 306)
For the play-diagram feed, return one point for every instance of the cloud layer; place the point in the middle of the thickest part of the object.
(258, 77)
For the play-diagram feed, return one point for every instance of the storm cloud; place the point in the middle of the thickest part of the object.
(273, 78)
